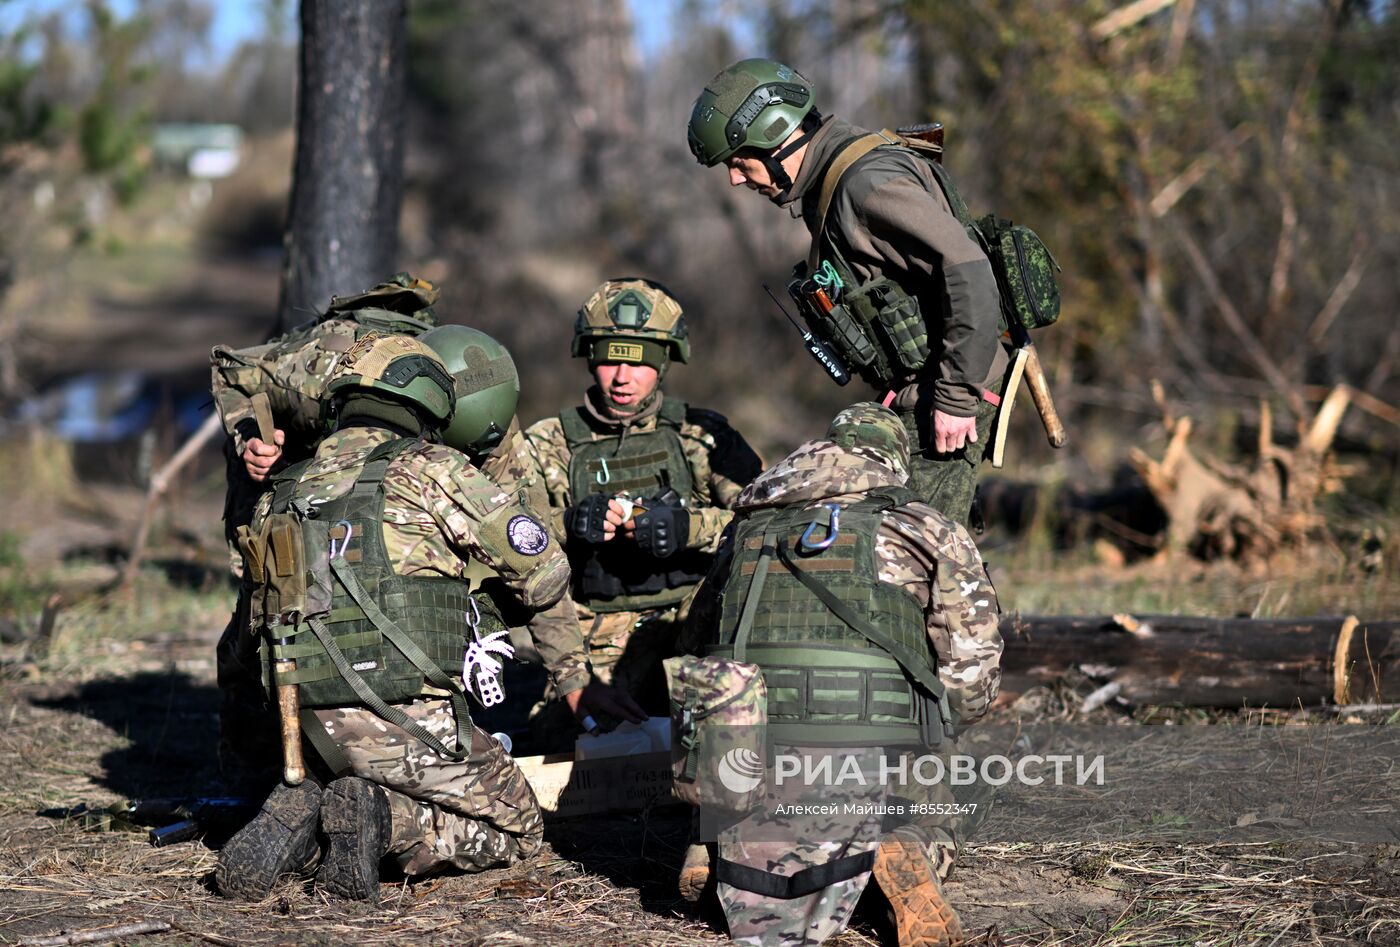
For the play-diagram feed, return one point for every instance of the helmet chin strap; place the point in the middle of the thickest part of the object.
(773, 164)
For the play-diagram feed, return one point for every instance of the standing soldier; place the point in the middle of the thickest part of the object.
(919, 319)
(639, 485)
(873, 622)
(356, 566)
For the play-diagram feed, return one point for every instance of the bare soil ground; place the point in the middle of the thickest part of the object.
(149, 731)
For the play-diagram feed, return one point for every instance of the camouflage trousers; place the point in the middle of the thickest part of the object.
(625, 649)
(800, 825)
(477, 814)
(946, 482)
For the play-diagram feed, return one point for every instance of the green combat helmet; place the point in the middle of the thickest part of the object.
(755, 103)
(631, 320)
(872, 431)
(392, 371)
(487, 387)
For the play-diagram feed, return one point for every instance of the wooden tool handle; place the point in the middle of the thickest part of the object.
(1040, 394)
(289, 710)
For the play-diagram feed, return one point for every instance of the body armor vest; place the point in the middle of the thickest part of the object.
(845, 656)
(618, 577)
(336, 623)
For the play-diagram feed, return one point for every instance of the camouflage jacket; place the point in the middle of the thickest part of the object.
(889, 218)
(440, 512)
(292, 371)
(555, 630)
(919, 549)
(721, 462)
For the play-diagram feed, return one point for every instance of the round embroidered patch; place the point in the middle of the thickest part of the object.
(526, 536)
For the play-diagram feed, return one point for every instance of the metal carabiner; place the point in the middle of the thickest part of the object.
(603, 476)
(473, 617)
(833, 529)
(338, 551)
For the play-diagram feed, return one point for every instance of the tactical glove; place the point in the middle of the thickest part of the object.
(584, 520)
(662, 529)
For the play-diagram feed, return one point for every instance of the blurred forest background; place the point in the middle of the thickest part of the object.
(1218, 179)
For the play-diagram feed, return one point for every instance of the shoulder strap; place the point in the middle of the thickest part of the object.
(853, 152)
(672, 412)
(576, 429)
(884, 498)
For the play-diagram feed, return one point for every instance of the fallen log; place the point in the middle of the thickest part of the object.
(1209, 662)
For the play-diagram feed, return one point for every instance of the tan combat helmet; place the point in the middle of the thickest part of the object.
(400, 368)
(631, 320)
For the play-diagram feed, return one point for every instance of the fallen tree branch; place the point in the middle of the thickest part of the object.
(99, 935)
(1211, 662)
(160, 482)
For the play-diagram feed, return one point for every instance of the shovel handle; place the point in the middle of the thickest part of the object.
(1044, 403)
(289, 712)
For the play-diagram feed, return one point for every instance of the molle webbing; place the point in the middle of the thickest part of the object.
(841, 651)
(353, 652)
(642, 463)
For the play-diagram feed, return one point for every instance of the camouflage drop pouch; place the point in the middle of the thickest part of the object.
(719, 712)
(1025, 272)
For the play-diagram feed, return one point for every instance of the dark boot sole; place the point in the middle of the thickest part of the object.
(280, 841)
(355, 821)
(923, 917)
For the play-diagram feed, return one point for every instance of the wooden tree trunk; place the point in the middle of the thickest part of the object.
(1210, 662)
(1221, 510)
(347, 189)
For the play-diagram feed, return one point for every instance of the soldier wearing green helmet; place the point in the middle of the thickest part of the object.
(358, 583)
(639, 485)
(282, 386)
(270, 400)
(917, 309)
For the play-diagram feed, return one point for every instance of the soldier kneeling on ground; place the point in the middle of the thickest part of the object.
(639, 485)
(851, 620)
(356, 564)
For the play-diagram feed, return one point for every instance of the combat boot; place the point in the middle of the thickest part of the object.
(280, 841)
(355, 820)
(695, 872)
(922, 915)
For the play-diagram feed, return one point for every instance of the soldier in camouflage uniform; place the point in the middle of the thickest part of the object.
(925, 331)
(285, 380)
(639, 486)
(411, 794)
(875, 626)
(269, 399)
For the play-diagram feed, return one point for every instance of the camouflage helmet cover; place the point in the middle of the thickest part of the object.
(486, 382)
(872, 431)
(631, 309)
(755, 103)
(402, 293)
(401, 368)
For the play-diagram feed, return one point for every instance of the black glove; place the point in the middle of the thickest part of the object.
(662, 529)
(584, 520)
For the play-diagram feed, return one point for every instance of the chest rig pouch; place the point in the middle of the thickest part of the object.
(617, 576)
(324, 591)
(845, 657)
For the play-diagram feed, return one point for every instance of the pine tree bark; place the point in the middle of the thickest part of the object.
(347, 188)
